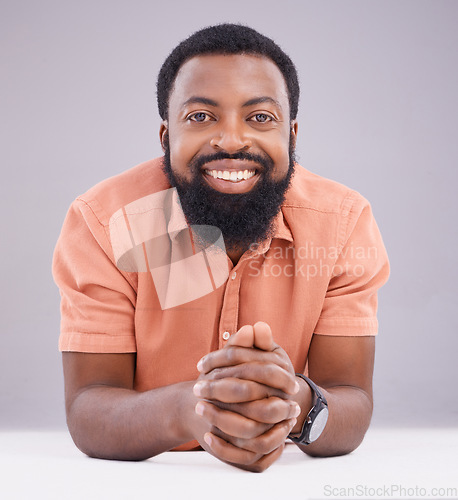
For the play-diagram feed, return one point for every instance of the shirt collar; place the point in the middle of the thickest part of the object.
(175, 215)
(281, 231)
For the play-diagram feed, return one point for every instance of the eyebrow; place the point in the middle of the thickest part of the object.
(251, 102)
(200, 100)
(260, 100)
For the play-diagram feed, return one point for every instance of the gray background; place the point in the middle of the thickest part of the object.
(378, 112)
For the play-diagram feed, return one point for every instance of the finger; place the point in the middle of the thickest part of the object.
(244, 337)
(269, 410)
(263, 338)
(269, 441)
(231, 423)
(231, 356)
(264, 462)
(264, 373)
(224, 441)
(232, 390)
(228, 452)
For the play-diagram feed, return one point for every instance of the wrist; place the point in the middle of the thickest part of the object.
(186, 417)
(304, 399)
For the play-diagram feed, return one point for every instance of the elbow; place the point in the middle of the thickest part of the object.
(341, 438)
(96, 443)
(332, 449)
(96, 449)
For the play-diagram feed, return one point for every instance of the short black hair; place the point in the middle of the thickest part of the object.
(225, 39)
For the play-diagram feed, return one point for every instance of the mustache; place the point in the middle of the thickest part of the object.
(266, 162)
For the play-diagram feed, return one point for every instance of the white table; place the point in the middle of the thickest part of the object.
(47, 465)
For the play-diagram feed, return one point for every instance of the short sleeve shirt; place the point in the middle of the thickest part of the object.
(124, 289)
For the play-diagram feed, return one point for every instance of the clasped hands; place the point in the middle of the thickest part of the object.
(245, 394)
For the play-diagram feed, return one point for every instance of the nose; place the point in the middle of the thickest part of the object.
(231, 136)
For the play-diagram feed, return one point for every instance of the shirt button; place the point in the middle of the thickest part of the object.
(234, 274)
(226, 335)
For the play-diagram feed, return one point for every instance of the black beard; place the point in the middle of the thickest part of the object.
(243, 218)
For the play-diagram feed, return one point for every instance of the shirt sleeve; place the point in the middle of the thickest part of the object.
(360, 269)
(97, 299)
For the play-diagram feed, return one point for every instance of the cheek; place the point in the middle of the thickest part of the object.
(280, 156)
(183, 145)
(180, 152)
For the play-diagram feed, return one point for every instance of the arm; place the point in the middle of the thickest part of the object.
(107, 418)
(342, 367)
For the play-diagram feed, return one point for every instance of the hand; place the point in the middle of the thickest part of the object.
(250, 383)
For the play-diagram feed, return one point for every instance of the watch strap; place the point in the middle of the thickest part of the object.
(318, 402)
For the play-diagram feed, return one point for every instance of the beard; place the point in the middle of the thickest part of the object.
(243, 218)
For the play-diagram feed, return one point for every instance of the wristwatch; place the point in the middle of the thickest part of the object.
(316, 418)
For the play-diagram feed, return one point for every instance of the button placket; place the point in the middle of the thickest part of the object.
(229, 311)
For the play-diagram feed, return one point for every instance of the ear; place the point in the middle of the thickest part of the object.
(163, 132)
(294, 126)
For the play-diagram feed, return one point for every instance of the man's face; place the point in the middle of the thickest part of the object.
(229, 143)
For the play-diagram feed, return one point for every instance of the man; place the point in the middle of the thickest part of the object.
(175, 337)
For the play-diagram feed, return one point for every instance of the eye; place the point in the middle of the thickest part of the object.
(261, 118)
(199, 117)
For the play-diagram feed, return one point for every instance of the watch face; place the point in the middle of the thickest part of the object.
(318, 424)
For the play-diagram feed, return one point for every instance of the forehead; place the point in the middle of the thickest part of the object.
(229, 78)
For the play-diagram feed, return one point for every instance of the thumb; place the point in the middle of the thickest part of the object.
(263, 338)
(244, 337)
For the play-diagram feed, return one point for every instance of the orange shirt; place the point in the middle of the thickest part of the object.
(319, 275)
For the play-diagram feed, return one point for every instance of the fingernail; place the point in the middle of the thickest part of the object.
(294, 422)
(208, 439)
(199, 409)
(297, 411)
(197, 389)
(200, 365)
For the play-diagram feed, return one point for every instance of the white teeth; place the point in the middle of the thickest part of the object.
(231, 175)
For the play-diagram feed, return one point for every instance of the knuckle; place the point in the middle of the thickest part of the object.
(231, 355)
(252, 458)
(215, 374)
(268, 413)
(272, 412)
(258, 467)
(257, 445)
(209, 389)
(281, 361)
(264, 445)
(271, 371)
(241, 390)
(246, 458)
(251, 429)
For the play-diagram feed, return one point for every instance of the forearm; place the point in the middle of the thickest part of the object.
(350, 411)
(122, 424)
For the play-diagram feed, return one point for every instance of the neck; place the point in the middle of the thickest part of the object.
(235, 254)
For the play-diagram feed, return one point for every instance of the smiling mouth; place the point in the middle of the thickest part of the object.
(231, 175)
